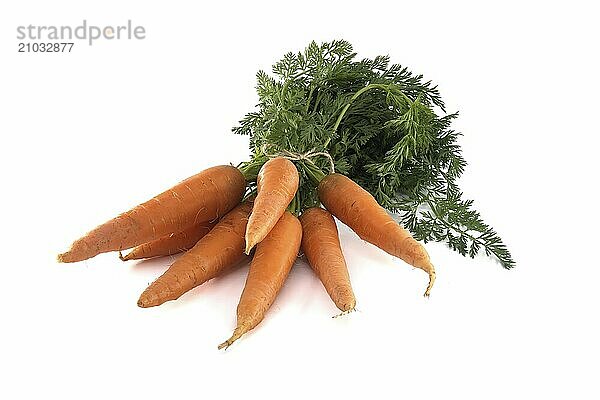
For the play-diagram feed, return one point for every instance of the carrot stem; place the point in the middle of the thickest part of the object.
(347, 106)
(250, 169)
(294, 206)
(313, 172)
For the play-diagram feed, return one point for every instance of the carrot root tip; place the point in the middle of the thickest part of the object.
(146, 301)
(431, 281)
(249, 247)
(66, 257)
(237, 333)
(141, 303)
(225, 345)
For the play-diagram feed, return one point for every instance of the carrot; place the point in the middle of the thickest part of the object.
(270, 266)
(321, 245)
(356, 208)
(203, 197)
(221, 249)
(277, 183)
(170, 244)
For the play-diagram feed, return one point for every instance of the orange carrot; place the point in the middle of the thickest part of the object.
(277, 183)
(356, 208)
(170, 244)
(321, 245)
(270, 266)
(203, 197)
(221, 249)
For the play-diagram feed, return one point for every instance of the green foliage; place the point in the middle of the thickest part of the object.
(378, 122)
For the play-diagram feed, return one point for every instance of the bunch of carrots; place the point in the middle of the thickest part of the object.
(217, 221)
(372, 122)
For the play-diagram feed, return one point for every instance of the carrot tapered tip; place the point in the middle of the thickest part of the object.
(250, 243)
(129, 256)
(66, 257)
(143, 303)
(225, 344)
(343, 297)
(148, 300)
(431, 281)
(237, 333)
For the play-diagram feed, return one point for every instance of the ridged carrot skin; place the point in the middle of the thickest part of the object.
(221, 249)
(270, 266)
(277, 183)
(171, 244)
(205, 196)
(321, 246)
(356, 208)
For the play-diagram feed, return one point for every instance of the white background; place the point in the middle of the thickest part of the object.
(89, 134)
